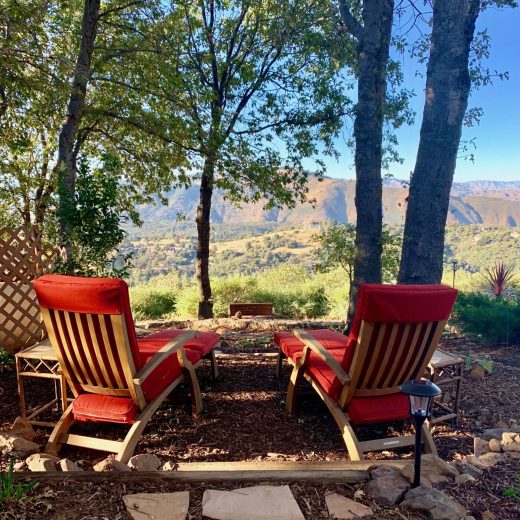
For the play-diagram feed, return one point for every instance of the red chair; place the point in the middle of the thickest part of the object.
(113, 376)
(395, 331)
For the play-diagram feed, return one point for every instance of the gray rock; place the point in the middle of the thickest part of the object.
(491, 458)
(513, 446)
(344, 508)
(438, 505)
(465, 467)
(508, 438)
(145, 462)
(42, 462)
(68, 465)
(111, 464)
(496, 433)
(387, 486)
(434, 470)
(158, 506)
(17, 446)
(475, 461)
(495, 445)
(253, 503)
(480, 446)
(465, 478)
(169, 466)
(22, 428)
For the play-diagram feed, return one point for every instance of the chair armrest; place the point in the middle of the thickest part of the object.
(316, 347)
(172, 346)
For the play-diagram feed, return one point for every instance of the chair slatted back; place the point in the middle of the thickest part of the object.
(388, 354)
(88, 320)
(93, 351)
(394, 335)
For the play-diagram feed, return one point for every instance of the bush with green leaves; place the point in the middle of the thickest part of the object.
(152, 303)
(96, 217)
(489, 319)
(11, 491)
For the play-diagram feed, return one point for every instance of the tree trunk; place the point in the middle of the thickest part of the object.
(373, 52)
(447, 89)
(69, 129)
(203, 238)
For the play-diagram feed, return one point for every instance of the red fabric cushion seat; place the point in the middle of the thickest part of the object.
(367, 410)
(103, 408)
(290, 344)
(322, 373)
(204, 342)
(166, 372)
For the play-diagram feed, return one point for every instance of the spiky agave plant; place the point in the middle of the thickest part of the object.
(500, 279)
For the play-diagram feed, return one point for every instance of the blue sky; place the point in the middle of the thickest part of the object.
(497, 138)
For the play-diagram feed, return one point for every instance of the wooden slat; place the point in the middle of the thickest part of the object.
(107, 348)
(46, 315)
(397, 374)
(114, 392)
(78, 349)
(87, 344)
(68, 352)
(383, 367)
(419, 350)
(374, 356)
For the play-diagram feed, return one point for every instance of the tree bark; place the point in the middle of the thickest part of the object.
(373, 52)
(203, 237)
(69, 130)
(447, 90)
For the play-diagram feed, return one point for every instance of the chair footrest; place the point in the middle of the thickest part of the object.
(388, 443)
(91, 442)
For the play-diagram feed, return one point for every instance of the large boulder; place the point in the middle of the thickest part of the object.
(387, 486)
(435, 503)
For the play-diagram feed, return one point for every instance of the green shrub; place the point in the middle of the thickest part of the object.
(494, 320)
(11, 491)
(150, 303)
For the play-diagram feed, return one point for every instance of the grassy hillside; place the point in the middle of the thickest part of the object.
(255, 249)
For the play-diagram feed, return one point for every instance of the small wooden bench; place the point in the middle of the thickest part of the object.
(264, 310)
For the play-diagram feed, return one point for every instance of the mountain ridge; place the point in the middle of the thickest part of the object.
(485, 202)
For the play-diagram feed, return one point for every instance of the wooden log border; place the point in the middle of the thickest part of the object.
(325, 472)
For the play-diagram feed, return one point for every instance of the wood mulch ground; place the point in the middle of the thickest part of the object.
(244, 420)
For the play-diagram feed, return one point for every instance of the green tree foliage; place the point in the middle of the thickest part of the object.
(95, 223)
(259, 86)
(336, 248)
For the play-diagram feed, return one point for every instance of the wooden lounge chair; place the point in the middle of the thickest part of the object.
(113, 376)
(394, 334)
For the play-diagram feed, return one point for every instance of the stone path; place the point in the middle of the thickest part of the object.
(253, 503)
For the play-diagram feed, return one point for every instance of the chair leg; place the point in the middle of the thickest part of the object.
(429, 444)
(279, 361)
(292, 389)
(214, 366)
(196, 396)
(62, 427)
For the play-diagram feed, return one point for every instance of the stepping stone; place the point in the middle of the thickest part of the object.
(343, 508)
(253, 503)
(158, 506)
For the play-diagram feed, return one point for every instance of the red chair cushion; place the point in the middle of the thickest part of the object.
(204, 342)
(166, 372)
(367, 410)
(103, 408)
(322, 373)
(88, 296)
(290, 344)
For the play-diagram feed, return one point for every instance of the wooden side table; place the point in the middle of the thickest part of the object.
(40, 361)
(444, 370)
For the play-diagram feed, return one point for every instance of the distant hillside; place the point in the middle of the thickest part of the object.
(490, 203)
